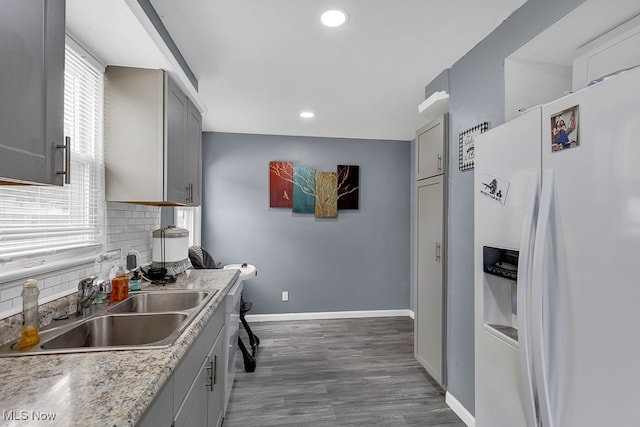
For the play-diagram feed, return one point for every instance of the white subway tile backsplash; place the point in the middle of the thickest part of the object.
(63, 287)
(120, 221)
(69, 276)
(46, 292)
(52, 281)
(5, 306)
(10, 293)
(113, 230)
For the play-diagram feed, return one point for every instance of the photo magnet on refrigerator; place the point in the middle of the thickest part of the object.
(494, 188)
(564, 129)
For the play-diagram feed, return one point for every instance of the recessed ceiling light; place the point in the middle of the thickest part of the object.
(334, 17)
(306, 114)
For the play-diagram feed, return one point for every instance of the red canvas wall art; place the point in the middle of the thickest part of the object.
(280, 184)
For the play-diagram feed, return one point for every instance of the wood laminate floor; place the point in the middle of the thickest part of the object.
(347, 372)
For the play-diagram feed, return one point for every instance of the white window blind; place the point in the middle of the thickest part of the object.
(40, 221)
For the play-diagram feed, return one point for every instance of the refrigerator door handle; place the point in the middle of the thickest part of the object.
(524, 298)
(538, 286)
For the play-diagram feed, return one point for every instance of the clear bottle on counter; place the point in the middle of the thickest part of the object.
(120, 285)
(30, 335)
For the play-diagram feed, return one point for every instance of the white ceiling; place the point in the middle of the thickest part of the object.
(260, 63)
(111, 32)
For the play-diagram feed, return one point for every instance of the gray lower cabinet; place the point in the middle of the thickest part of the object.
(216, 386)
(194, 394)
(153, 134)
(193, 412)
(203, 405)
(32, 91)
(160, 413)
(429, 314)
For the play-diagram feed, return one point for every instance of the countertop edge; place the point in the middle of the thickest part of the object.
(114, 387)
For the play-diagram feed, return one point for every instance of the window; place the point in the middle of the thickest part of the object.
(38, 222)
(189, 218)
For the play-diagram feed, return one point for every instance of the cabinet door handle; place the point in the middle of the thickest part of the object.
(189, 193)
(66, 171)
(215, 369)
(211, 370)
(439, 163)
(438, 252)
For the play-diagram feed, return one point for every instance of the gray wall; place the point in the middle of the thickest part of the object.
(476, 84)
(358, 261)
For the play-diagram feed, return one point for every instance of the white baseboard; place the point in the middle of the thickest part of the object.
(460, 410)
(412, 314)
(327, 315)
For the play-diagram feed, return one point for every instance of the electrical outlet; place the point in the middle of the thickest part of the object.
(285, 295)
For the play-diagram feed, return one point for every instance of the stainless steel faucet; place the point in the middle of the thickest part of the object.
(87, 292)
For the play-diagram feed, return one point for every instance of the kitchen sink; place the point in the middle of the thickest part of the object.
(145, 320)
(113, 330)
(153, 302)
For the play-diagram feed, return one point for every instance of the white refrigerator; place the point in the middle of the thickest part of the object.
(557, 246)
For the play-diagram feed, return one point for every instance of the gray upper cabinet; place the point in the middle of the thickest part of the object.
(430, 149)
(148, 139)
(177, 145)
(32, 91)
(194, 153)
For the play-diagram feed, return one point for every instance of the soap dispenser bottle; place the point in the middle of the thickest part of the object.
(30, 335)
(120, 285)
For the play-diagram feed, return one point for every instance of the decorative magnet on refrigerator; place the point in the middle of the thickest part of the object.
(564, 129)
(494, 188)
(467, 145)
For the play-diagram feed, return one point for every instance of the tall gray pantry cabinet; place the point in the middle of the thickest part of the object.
(429, 345)
(32, 91)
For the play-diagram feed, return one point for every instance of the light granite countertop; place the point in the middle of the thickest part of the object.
(110, 388)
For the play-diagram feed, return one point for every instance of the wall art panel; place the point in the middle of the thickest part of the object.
(280, 184)
(326, 195)
(348, 187)
(304, 189)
